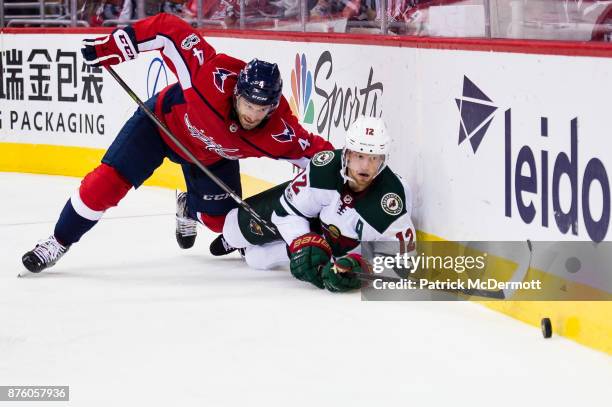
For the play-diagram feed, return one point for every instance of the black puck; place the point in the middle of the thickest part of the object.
(546, 327)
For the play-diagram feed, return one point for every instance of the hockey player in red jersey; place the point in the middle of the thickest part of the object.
(221, 109)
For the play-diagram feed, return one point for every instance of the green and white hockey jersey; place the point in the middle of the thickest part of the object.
(380, 213)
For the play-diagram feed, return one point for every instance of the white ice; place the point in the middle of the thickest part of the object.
(127, 318)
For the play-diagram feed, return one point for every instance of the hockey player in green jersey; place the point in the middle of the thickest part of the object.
(342, 198)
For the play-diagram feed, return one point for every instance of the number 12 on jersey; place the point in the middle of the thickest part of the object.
(406, 246)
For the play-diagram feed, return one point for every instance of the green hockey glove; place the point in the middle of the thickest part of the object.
(337, 276)
(307, 255)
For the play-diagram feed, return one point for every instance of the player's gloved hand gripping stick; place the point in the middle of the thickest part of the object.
(110, 50)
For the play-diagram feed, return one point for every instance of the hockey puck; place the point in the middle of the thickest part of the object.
(546, 327)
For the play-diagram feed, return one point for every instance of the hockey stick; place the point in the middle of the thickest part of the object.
(362, 276)
(188, 153)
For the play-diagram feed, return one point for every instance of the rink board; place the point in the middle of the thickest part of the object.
(488, 141)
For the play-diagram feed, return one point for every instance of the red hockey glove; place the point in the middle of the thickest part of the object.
(113, 49)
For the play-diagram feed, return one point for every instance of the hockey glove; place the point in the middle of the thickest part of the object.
(307, 255)
(337, 276)
(113, 49)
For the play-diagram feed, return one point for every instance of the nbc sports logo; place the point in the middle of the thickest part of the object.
(301, 90)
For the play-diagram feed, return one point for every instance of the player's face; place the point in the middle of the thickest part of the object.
(250, 115)
(362, 168)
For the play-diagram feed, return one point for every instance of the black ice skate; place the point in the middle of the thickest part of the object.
(220, 247)
(44, 255)
(186, 227)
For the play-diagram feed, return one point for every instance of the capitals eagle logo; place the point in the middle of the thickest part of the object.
(219, 76)
(286, 135)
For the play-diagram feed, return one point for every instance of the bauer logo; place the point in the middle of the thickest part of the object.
(476, 112)
(157, 77)
(301, 91)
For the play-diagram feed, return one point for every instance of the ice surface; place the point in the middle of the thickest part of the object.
(127, 318)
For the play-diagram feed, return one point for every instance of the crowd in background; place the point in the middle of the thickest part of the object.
(227, 11)
(570, 20)
(257, 14)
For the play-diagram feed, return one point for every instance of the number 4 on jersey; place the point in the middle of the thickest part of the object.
(199, 54)
(304, 143)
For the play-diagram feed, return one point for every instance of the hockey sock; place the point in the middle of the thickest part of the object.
(71, 225)
(101, 189)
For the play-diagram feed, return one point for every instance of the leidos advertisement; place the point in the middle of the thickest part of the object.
(529, 151)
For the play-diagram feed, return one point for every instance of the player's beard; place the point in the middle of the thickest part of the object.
(247, 125)
(242, 118)
(359, 180)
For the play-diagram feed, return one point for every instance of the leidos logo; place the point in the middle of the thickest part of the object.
(476, 111)
(528, 175)
(526, 182)
(301, 90)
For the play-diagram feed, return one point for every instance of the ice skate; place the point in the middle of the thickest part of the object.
(186, 227)
(44, 255)
(220, 247)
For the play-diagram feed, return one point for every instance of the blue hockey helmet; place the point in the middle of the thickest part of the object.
(260, 83)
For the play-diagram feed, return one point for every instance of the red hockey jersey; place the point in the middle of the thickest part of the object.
(199, 110)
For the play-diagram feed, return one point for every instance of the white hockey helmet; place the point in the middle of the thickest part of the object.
(367, 135)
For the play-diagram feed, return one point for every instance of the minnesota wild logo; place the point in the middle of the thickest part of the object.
(301, 90)
(392, 204)
(322, 157)
(255, 228)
